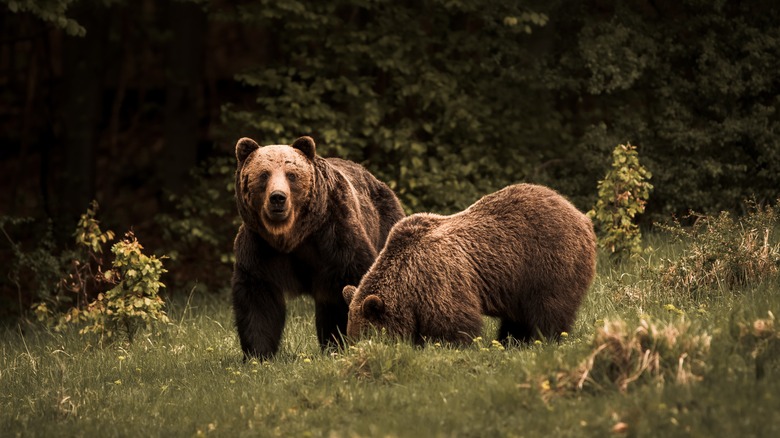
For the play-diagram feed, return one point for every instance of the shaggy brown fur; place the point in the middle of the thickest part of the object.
(523, 254)
(310, 226)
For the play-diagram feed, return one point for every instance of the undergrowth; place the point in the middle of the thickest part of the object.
(724, 253)
(644, 358)
(79, 288)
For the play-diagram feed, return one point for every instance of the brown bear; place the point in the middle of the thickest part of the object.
(523, 254)
(311, 225)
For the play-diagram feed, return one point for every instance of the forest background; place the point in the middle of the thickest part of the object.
(138, 104)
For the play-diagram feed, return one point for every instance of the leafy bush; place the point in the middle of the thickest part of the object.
(122, 298)
(35, 273)
(68, 279)
(623, 194)
(134, 301)
(723, 253)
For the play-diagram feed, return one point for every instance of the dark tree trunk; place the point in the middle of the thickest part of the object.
(82, 79)
(184, 94)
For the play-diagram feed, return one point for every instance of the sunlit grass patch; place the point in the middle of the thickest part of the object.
(655, 365)
(377, 360)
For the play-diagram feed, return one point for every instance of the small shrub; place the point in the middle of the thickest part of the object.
(134, 301)
(723, 253)
(623, 194)
(84, 276)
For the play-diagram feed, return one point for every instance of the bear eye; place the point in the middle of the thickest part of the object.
(291, 176)
(263, 178)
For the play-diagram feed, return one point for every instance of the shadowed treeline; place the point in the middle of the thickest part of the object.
(444, 100)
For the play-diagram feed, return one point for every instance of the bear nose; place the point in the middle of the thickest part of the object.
(278, 197)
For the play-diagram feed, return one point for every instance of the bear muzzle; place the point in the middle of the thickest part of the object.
(277, 200)
(276, 208)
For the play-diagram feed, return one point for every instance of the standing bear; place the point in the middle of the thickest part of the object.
(523, 254)
(310, 226)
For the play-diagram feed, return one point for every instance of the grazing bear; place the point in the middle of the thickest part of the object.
(310, 226)
(523, 254)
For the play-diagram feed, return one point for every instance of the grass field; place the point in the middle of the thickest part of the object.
(715, 374)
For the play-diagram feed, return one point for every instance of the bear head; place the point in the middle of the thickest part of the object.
(273, 186)
(388, 294)
(376, 311)
(362, 312)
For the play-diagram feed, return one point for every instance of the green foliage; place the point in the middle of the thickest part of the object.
(78, 289)
(80, 278)
(724, 254)
(448, 101)
(690, 81)
(134, 301)
(623, 194)
(51, 11)
(83, 280)
(39, 268)
(59, 278)
(423, 93)
(88, 234)
(199, 236)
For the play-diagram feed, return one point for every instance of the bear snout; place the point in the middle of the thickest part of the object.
(277, 208)
(277, 199)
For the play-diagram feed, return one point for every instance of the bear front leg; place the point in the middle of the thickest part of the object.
(260, 313)
(331, 321)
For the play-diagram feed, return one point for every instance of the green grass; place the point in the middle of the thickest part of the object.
(187, 378)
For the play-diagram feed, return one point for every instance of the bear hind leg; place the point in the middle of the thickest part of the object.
(330, 319)
(513, 332)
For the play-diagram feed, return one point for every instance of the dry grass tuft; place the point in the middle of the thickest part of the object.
(649, 353)
(760, 339)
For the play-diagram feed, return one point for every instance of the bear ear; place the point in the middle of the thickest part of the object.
(244, 147)
(306, 145)
(373, 307)
(349, 293)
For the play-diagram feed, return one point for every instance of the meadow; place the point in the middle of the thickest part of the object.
(644, 359)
